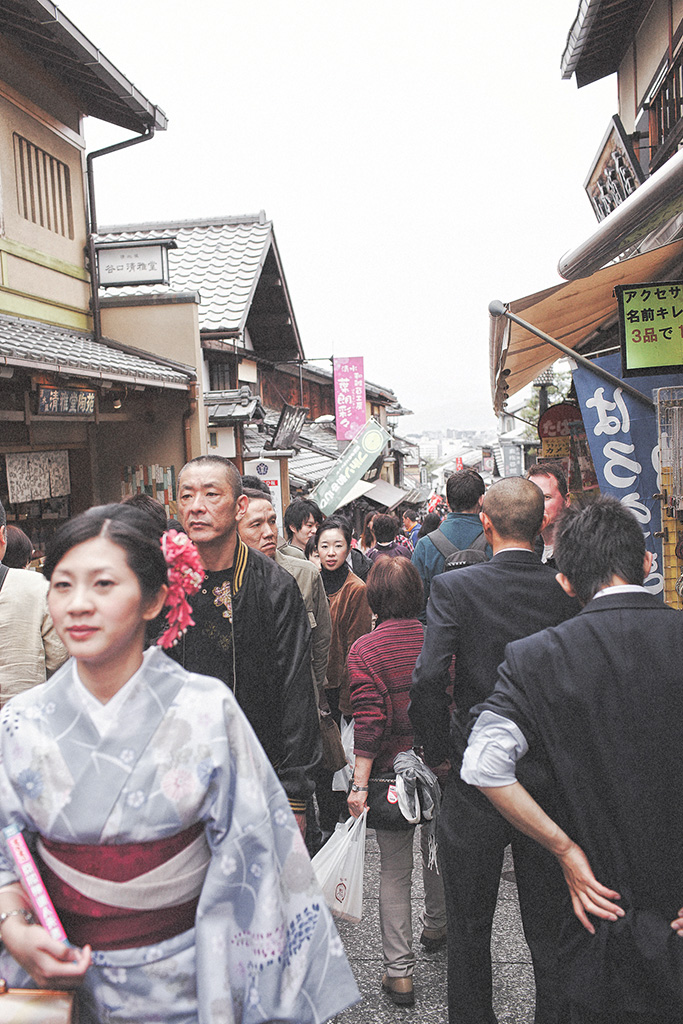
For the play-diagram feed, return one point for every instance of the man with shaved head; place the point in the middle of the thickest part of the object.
(251, 628)
(472, 614)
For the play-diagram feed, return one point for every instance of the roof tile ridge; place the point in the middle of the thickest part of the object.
(257, 219)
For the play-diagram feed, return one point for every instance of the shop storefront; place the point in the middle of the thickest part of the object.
(83, 423)
(623, 436)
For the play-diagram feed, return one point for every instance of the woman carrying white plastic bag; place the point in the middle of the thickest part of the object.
(339, 868)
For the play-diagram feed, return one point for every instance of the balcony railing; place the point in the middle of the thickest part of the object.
(666, 115)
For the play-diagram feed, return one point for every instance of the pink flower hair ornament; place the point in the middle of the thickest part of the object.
(185, 575)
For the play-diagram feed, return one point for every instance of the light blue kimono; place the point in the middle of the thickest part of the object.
(265, 947)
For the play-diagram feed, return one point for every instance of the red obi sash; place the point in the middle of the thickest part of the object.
(105, 927)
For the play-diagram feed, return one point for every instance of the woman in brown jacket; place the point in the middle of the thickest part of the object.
(351, 618)
(349, 608)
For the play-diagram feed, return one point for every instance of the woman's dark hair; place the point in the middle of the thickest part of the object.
(430, 522)
(367, 537)
(335, 523)
(311, 546)
(19, 549)
(394, 589)
(123, 525)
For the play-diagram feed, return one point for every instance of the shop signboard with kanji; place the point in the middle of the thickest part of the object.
(142, 262)
(555, 427)
(651, 327)
(65, 402)
(349, 396)
(563, 441)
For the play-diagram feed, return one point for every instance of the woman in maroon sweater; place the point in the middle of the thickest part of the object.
(380, 674)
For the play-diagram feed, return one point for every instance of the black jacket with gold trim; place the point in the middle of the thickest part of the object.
(271, 667)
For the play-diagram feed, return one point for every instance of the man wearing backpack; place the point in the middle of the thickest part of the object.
(460, 529)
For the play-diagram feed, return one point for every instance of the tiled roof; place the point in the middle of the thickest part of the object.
(33, 344)
(311, 371)
(315, 456)
(231, 406)
(219, 258)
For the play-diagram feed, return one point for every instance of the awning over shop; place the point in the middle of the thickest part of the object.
(360, 488)
(386, 494)
(573, 313)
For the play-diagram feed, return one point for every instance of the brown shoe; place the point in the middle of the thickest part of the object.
(399, 990)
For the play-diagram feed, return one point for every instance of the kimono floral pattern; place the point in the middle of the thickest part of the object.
(264, 946)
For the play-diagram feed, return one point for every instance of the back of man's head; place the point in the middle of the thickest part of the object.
(515, 507)
(596, 543)
(463, 491)
(385, 529)
(151, 507)
(256, 494)
(255, 483)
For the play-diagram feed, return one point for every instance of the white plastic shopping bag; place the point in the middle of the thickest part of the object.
(339, 868)
(341, 780)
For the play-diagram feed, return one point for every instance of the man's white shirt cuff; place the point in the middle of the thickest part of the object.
(495, 746)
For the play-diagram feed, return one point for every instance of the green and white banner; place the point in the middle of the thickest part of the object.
(350, 467)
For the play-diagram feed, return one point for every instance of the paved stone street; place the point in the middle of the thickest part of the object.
(512, 974)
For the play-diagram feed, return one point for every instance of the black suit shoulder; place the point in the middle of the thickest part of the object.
(514, 591)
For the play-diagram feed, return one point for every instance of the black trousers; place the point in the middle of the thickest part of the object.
(579, 1015)
(472, 838)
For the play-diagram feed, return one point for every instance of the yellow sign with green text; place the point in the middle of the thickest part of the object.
(651, 327)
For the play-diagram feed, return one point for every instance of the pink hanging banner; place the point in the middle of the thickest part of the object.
(349, 396)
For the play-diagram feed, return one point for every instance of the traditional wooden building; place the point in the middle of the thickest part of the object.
(78, 411)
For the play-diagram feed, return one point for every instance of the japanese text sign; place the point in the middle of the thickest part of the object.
(622, 434)
(347, 470)
(131, 264)
(66, 402)
(349, 396)
(651, 327)
(555, 428)
(270, 472)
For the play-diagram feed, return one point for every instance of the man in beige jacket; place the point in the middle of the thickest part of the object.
(30, 649)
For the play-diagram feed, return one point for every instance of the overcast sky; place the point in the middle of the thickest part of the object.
(417, 160)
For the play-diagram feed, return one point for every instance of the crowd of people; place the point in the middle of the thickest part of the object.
(169, 771)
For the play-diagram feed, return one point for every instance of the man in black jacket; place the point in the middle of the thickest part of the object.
(251, 627)
(600, 698)
(472, 614)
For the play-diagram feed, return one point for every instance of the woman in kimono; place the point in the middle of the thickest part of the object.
(160, 829)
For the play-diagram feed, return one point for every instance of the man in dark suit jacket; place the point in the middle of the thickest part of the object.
(609, 728)
(472, 614)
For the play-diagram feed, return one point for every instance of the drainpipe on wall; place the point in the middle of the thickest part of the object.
(187, 415)
(92, 220)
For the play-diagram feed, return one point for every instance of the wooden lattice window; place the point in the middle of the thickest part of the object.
(43, 188)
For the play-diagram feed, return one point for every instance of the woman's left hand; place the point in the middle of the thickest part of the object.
(357, 803)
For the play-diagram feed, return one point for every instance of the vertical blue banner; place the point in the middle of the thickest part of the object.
(622, 434)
